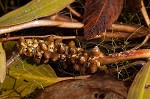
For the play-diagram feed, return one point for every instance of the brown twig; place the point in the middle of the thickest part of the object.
(59, 17)
(37, 23)
(128, 66)
(76, 77)
(127, 55)
(73, 11)
(141, 44)
(130, 29)
(104, 34)
(145, 14)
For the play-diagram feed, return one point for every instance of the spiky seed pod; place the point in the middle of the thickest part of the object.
(96, 51)
(76, 67)
(71, 44)
(43, 46)
(55, 56)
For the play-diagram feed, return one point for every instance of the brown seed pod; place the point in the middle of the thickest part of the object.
(37, 57)
(58, 42)
(93, 68)
(72, 50)
(43, 46)
(55, 56)
(70, 60)
(51, 47)
(71, 44)
(61, 49)
(29, 42)
(82, 60)
(96, 51)
(76, 67)
(48, 40)
(22, 40)
(63, 57)
(47, 55)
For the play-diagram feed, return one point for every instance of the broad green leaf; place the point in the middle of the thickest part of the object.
(140, 88)
(24, 78)
(2, 64)
(9, 48)
(33, 10)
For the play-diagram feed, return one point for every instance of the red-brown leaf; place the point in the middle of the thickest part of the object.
(133, 5)
(99, 15)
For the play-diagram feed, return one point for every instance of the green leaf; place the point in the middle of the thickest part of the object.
(2, 64)
(24, 78)
(140, 88)
(9, 48)
(33, 10)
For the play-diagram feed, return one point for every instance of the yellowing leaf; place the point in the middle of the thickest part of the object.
(24, 78)
(140, 88)
(33, 10)
(2, 64)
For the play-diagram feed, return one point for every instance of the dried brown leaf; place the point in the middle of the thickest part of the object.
(133, 6)
(99, 15)
(97, 87)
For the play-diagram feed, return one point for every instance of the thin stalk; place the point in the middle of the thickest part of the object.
(145, 14)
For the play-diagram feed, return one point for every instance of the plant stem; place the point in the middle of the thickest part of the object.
(37, 23)
(73, 11)
(122, 56)
(145, 14)
(104, 34)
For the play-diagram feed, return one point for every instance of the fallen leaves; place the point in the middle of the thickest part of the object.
(99, 15)
(97, 87)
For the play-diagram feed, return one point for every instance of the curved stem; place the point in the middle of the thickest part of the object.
(122, 56)
(145, 14)
(37, 23)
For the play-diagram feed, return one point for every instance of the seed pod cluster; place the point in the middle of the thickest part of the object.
(50, 50)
